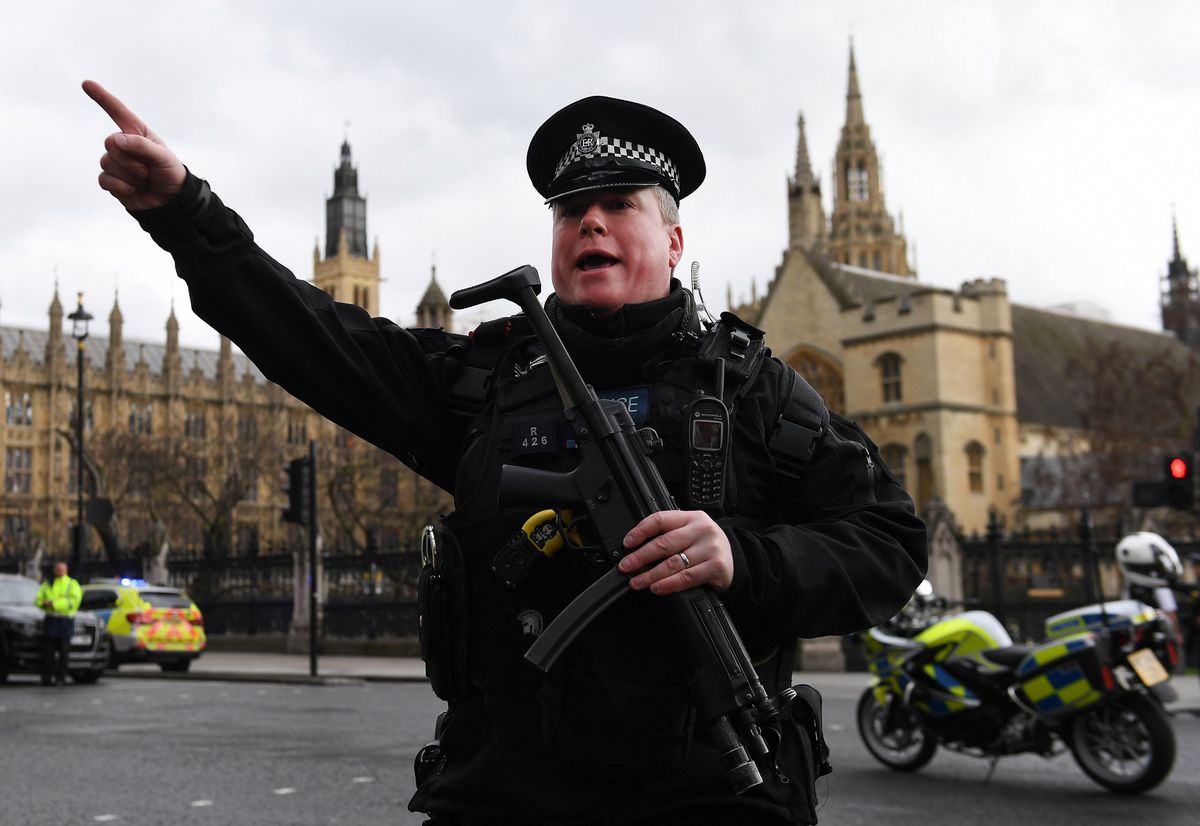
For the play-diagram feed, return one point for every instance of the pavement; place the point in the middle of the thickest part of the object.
(245, 666)
(242, 666)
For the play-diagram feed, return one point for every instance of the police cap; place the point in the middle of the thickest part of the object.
(603, 142)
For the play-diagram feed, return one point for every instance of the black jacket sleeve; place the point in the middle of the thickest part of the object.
(387, 384)
(843, 549)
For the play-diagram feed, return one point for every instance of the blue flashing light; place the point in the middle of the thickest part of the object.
(135, 583)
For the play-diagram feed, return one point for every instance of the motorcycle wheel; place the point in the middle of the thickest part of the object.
(1127, 746)
(900, 743)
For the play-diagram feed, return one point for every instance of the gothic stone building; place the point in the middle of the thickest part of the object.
(203, 428)
(967, 393)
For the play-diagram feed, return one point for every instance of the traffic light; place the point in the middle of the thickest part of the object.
(299, 509)
(1179, 481)
(1176, 489)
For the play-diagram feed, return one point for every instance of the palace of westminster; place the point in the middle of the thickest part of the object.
(967, 393)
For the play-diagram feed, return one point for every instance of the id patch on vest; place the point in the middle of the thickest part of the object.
(635, 399)
(535, 435)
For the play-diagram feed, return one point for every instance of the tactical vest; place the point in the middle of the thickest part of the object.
(617, 703)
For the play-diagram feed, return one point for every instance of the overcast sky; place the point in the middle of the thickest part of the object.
(1045, 143)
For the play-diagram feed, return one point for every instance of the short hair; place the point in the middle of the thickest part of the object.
(668, 207)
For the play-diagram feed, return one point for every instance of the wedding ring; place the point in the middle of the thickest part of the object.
(687, 563)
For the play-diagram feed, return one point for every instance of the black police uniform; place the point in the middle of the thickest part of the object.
(609, 736)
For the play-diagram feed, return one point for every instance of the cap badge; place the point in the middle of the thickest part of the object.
(587, 141)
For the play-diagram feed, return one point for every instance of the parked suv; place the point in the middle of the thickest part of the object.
(21, 634)
(147, 623)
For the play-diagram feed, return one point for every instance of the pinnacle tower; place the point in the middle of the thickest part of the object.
(1180, 301)
(806, 215)
(347, 273)
(862, 233)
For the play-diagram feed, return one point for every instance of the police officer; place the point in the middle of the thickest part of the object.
(59, 598)
(790, 515)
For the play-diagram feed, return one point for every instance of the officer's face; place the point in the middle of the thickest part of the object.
(611, 247)
(60, 569)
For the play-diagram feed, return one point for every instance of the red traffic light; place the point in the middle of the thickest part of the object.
(1178, 468)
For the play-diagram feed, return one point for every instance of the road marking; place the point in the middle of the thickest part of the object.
(106, 818)
(836, 727)
(198, 804)
(284, 790)
(362, 779)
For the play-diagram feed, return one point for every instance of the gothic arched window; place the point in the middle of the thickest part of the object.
(890, 367)
(823, 373)
(923, 452)
(858, 186)
(975, 452)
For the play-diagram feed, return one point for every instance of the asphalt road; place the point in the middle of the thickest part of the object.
(154, 751)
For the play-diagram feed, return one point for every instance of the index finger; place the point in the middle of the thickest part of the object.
(122, 115)
(653, 525)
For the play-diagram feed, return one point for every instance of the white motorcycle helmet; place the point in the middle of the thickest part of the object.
(1149, 560)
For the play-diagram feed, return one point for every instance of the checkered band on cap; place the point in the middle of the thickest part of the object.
(591, 144)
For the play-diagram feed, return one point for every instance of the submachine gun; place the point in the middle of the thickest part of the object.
(617, 486)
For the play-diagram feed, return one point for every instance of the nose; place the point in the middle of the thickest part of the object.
(592, 221)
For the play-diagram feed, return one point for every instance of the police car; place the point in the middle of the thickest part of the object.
(147, 623)
(21, 630)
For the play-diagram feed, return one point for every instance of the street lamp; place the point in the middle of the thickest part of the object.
(79, 330)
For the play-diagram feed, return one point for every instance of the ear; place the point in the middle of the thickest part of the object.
(675, 240)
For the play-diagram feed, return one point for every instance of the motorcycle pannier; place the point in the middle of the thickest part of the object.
(1064, 675)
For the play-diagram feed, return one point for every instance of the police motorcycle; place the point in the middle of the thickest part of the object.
(956, 679)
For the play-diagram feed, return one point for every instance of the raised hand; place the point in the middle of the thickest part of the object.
(137, 168)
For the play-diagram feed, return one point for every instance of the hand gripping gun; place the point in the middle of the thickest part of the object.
(617, 486)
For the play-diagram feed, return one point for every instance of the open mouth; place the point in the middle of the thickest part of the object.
(595, 261)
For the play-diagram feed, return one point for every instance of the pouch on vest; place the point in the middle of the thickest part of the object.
(615, 706)
(442, 607)
(803, 755)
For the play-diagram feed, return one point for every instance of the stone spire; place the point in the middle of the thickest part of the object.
(116, 338)
(804, 173)
(854, 107)
(433, 311)
(172, 332)
(861, 231)
(54, 341)
(806, 214)
(173, 359)
(1180, 301)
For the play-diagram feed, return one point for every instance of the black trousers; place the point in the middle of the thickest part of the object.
(56, 640)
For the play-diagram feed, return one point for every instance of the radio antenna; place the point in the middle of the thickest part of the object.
(700, 308)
